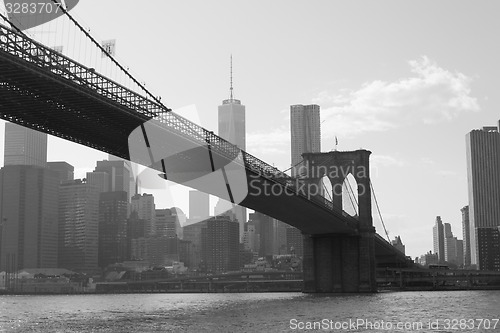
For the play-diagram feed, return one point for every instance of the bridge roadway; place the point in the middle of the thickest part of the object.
(48, 92)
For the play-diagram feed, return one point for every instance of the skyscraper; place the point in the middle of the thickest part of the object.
(488, 248)
(398, 244)
(438, 236)
(232, 118)
(135, 230)
(100, 179)
(78, 226)
(232, 128)
(180, 221)
(63, 169)
(447, 230)
(199, 207)
(270, 235)
(251, 238)
(294, 241)
(24, 146)
(459, 252)
(192, 234)
(466, 235)
(483, 177)
(254, 222)
(165, 223)
(161, 250)
(450, 249)
(28, 210)
(220, 243)
(113, 245)
(305, 132)
(144, 205)
(305, 137)
(264, 227)
(280, 245)
(133, 183)
(119, 175)
(28, 202)
(454, 251)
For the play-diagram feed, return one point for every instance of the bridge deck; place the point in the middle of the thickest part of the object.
(46, 91)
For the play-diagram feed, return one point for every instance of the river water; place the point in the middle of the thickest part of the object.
(448, 311)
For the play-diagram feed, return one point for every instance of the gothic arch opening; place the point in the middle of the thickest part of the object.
(326, 188)
(350, 195)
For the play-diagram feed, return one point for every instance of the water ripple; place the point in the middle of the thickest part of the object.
(266, 312)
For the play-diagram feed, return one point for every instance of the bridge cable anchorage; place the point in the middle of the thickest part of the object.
(379, 214)
(82, 29)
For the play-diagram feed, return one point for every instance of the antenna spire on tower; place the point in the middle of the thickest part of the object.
(231, 78)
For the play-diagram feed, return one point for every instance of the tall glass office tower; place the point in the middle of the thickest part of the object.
(483, 177)
(232, 128)
(305, 132)
(24, 146)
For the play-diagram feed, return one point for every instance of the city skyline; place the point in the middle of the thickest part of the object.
(397, 100)
(411, 104)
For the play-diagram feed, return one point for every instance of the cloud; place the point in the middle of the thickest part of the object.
(275, 142)
(385, 161)
(430, 95)
(426, 161)
(448, 173)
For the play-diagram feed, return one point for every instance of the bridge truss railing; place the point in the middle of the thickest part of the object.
(31, 51)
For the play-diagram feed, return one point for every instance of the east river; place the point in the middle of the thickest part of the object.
(447, 311)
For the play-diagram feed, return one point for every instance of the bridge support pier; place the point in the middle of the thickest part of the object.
(339, 263)
(342, 263)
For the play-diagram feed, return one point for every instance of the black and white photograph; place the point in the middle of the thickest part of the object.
(249, 166)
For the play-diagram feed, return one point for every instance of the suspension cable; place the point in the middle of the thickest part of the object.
(352, 191)
(6, 19)
(349, 195)
(293, 166)
(379, 214)
(326, 191)
(156, 99)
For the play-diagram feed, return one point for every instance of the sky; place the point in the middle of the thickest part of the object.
(405, 80)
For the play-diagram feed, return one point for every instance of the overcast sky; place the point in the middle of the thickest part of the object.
(405, 80)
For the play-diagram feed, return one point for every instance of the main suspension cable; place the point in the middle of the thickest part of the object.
(156, 99)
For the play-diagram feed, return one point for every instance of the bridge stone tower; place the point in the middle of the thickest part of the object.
(337, 263)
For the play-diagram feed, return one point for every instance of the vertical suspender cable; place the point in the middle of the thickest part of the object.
(351, 198)
(379, 214)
